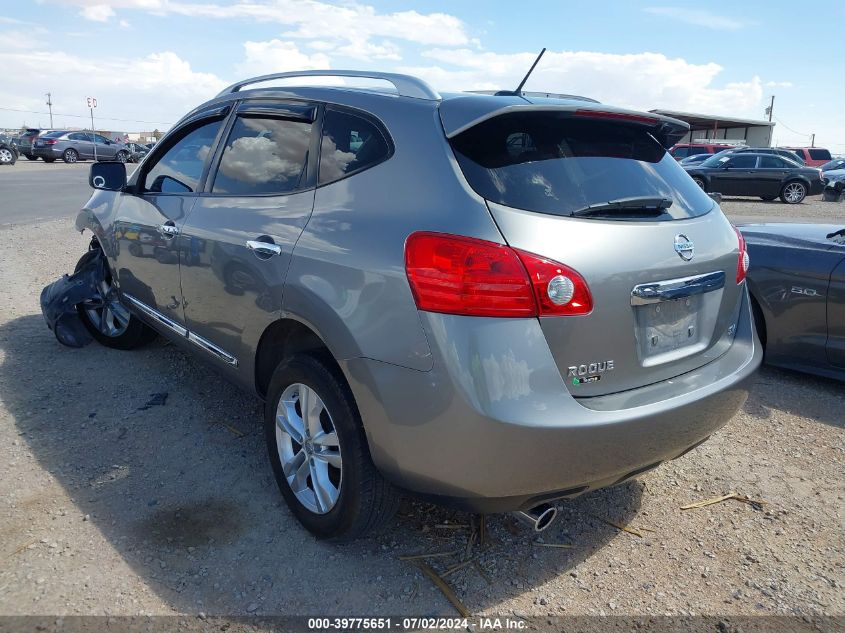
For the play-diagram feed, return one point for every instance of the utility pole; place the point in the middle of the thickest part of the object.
(813, 140)
(50, 105)
(771, 108)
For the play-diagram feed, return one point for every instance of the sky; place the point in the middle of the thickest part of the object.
(147, 62)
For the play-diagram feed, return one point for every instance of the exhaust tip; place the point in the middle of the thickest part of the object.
(539, 517)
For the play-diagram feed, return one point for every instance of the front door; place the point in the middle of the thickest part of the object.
(106, 149)
(836, 317)
(149, 220)
(237, 242)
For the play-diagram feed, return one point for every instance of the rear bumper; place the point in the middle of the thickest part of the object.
(46, 152)
(492, 427)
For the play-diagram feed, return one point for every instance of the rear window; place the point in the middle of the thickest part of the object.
(820, 154)
(53, 134)
(552, 163)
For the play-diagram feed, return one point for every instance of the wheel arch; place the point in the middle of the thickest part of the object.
(282, 339)
(759, 318)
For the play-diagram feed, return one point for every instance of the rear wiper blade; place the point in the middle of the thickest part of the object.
(645, 205)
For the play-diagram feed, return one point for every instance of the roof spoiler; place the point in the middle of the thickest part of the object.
(666, 130)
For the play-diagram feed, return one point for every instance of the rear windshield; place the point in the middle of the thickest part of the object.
(552, 163)
(820, 154)
(53, 134)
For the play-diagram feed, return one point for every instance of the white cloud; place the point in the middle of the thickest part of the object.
(641, 80)
(779, 84)
(124, 24)
(98, 13)
(350, 27)
(159, 87)
(699, 17)
(275, 56)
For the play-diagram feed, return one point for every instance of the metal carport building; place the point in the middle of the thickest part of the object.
(705, 126)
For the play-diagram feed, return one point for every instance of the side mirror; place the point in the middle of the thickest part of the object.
(109, 176)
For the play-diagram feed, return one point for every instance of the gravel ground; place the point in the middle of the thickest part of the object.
(110, 506)
(813, 209)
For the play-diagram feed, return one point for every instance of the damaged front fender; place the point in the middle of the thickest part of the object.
(97, 216)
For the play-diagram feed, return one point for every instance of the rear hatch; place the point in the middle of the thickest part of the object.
(596, 190)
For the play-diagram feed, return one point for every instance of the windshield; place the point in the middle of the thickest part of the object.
(552, 163)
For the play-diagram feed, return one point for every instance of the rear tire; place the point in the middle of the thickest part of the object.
(700, 182)
(793, 192)
(106, 320)
(7, 157)
(353, 499)
(31, 157)
(70, 156)
(49, 160)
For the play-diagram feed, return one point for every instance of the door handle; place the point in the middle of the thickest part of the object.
(264, 248)
(644, 294)
(168, 230)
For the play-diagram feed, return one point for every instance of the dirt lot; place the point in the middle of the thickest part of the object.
(110, 506)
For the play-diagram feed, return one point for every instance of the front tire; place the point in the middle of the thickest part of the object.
(122, 157)
(319, 453)
(31, 157)
(7, 157)
(106, 319)
(49, 160)
(70, 156)
(793, 192)
(700, 182)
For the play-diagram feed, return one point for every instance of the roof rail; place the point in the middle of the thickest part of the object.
(406, 85)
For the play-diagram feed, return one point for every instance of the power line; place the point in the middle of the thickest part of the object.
(83, 116)
(790, 129)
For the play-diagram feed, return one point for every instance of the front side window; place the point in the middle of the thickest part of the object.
(350, 143)
(180, 168)
(101, 139)
(264, 156)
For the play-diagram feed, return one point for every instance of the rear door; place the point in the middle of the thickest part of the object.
(663, 281)
(771, 171)
(237, 242)
(739, 177)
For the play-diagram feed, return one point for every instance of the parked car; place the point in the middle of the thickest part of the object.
(8, 152)
(835, 164)
(697, 159)
(812, 156)
(428, 305)
(683, 150)
(25, 141)
(72, 146)
(797, 285)
(752, 174)
(137, 151)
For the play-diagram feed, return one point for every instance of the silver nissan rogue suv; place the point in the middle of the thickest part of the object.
(493, 301)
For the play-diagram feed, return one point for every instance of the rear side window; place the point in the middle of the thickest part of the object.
(264, 155)
(743, 161)
(820, 154)
(564, 165)
(180, 168)
(350, 143)
(772, 162)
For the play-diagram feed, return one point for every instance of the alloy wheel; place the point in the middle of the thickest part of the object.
(699, 182)
(5, 156)
(70, 156)
(106, 313)
(794, 192)
(309, 449)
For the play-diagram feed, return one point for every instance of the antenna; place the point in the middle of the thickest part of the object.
(528, 74)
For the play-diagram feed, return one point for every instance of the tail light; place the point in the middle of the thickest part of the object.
(467, 276)
(49, 141)
(744, 261)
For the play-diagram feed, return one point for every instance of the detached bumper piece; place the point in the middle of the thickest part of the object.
(60, 298)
